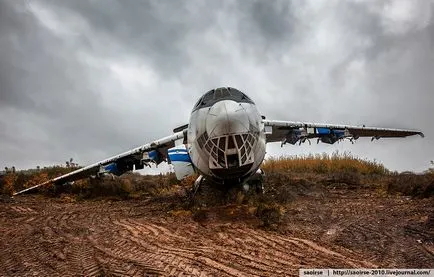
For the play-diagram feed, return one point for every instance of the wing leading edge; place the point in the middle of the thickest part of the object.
(155, 152)
(293, 132)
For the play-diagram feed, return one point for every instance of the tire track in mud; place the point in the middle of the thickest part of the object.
(136, 247)
(99, 238)
(301, 250)
(421, 245)
(282, 245)
(19, 254)
(390, 243)
(379, 240)
(163, 256)
(242, 252)
(87, 259)
(215, 253)
(22, 210)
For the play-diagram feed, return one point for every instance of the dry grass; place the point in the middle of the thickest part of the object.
(287, 178)
(414, 185)
(324, 163)
(129, 185)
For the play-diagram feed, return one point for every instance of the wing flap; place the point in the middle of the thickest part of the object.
(384, 133)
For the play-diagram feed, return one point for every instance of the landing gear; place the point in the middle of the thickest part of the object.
(191, 192)
(196, 185)
(256, 182)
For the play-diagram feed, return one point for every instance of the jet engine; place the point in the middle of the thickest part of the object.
(115, 168)
(180, 159)
(330, 136)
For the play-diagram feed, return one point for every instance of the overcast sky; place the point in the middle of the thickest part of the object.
(90, 79)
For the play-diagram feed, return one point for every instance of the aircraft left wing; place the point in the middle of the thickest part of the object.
(154, 152)
(293, 132)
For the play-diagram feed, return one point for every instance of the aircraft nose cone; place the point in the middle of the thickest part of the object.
(226, 117)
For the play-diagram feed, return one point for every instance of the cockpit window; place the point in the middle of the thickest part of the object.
(239, 140)
(196, 106)
(222, 143)
(208, 97)
(223, 93)
(231, 143)
(202, 139)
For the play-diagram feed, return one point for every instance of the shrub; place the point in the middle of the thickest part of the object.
(410, 184)
(270, 215)
(8, 183)
(324, 163)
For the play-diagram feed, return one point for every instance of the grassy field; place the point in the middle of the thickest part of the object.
(324, 163)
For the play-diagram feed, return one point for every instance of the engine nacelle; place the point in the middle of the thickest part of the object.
(115, 168)
(295, 135)
(330, 136)
(111, 168)
(180, 159)
(329, 139)
(153, 156)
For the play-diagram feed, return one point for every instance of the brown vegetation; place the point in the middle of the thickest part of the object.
(13, 181)
(129, 185)
(419, 186)
(324, 163)
(286, 179)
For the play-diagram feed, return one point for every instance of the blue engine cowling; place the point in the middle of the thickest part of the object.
(330, 136)
(180, 159)
(116, 168)
(111, 168)
(153, 156)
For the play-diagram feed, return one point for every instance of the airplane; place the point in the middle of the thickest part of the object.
(224, 141)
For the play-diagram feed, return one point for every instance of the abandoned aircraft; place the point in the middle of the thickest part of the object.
(224, 141)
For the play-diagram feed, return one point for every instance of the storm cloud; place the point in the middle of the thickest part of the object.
(89, 79)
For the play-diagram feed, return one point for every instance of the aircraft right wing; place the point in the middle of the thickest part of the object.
(293, 132)
(154, 152)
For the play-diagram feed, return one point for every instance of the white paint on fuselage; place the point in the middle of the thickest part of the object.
(226, 118)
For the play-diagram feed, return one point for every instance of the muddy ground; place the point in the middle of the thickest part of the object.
(151, 236)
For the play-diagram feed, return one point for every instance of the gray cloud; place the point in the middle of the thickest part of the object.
(89, 79)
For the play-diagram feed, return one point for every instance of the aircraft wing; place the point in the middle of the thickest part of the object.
(153, 152)
(293, 132)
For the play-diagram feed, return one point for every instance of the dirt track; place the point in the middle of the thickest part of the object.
(55, 237)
